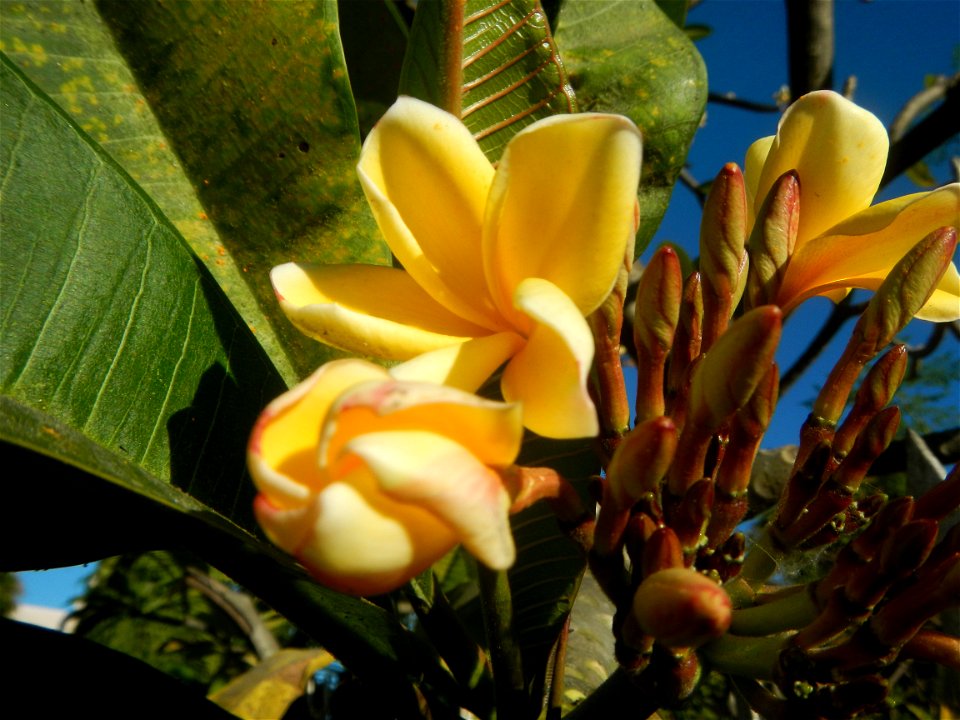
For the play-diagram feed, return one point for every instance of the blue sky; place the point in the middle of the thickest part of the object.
(889, 45)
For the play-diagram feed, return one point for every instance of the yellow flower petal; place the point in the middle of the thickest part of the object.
(491, 431)
(562, 207)
(364, 542)
(367, 309)
(282, 453)
(838, 149)
(860, 251)
(752, 167)
(426, 180)
(465, 366)
(549, 376)
(439, 474)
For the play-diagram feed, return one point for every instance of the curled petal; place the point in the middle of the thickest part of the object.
(426, 180)
(549, 376)
(465, 366)
(588, 166)
(491, 431)
(367, 309)
(440, 475)
(839, 151)
(752, 167)
(364, 542)
(861, 251)
(282, 453)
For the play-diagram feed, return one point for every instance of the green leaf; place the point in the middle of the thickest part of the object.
(626, 56)
(109, 324)
(493, 64)
(545, 579)
(252, 158)
(57, 674)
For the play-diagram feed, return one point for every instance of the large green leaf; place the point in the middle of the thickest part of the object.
(109, 324)
(492, 63)
(626, 56)
(129, 386)
(250, 153)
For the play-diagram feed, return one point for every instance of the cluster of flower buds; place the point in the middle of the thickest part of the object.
(666, 549)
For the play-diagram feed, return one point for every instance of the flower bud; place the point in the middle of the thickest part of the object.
(902, 294)
(368, 480)
(681, 608)
(686, 346)
(655, 322)
(723, 259)
(875, 392)
(773, 239)
(641, 460)
(734, 367)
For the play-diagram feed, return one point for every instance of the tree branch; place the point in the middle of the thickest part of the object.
(810, 45)
(911, 146)
(239, 607)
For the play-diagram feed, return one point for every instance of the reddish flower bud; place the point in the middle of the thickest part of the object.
(723, 260)
(681, 608)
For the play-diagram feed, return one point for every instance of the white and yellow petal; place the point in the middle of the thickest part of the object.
(367, 309)
(364, 542)
(549, 376)
(839, 151)
(562, 207)
(436, 473)
(492, 431)
(465, 366)
(282, 452)
(426, 181)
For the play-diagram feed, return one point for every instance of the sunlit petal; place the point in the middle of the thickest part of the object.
(549, 376)
(491, 431)
(364, 542)
(860, 251)
(465, 366)
(282, 453)
(562, 207)
(367, 309)
(839, 151)
(437, 473)
(752, 167)
(426, 180)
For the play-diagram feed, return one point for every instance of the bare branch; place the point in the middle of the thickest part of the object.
(911, 146)
(810, 45)
(731, 99)
(239, 607)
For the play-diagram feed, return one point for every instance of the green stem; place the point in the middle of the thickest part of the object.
(497, 606)
(786, 613)
(751, 657)
(762, 561)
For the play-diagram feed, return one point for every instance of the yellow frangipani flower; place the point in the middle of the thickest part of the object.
(839, 152)
(368, 480)
(500, 265)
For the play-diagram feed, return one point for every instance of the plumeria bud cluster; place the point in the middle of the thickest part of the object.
(666, 548)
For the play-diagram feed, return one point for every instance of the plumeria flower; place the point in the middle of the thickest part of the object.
(839, 152)
(500, 265)
(368, 480)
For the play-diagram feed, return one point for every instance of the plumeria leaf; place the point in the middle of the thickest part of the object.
(626, 56)
(252, 160)
(129, 386)
(492, 63)
(545, 578)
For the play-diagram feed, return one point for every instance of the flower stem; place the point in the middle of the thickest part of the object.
(789, 612)
(751, 657)
(497, 605)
